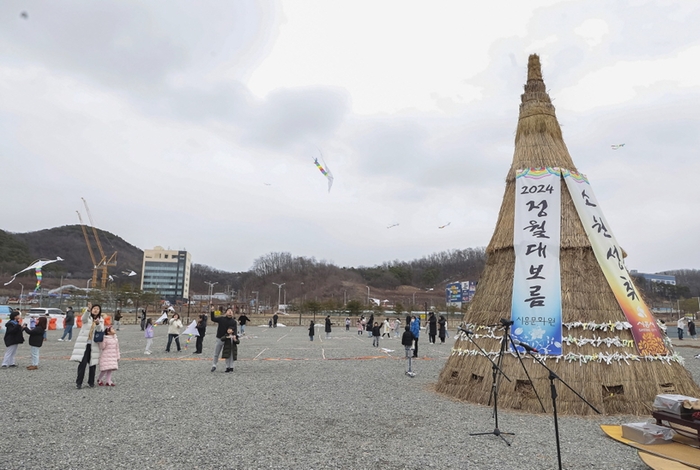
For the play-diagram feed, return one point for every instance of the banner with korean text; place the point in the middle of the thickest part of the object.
(645, 331)
(536, 304)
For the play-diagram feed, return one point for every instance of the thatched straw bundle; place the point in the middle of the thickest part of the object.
(622, 384)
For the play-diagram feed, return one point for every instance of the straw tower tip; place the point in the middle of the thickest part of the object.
(534, 69)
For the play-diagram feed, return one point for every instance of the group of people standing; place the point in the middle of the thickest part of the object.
(14, 336)
(684, 322)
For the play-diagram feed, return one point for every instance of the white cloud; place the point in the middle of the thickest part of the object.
(196, 126)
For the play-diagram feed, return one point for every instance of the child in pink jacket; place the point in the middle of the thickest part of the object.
(109, 357)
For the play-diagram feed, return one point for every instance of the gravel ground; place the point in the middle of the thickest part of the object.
(290, 403)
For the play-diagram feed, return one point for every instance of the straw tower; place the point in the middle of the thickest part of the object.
(619, 387)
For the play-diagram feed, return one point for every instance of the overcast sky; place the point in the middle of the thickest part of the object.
(194, 125)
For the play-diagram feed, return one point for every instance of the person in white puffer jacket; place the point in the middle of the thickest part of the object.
(85, 351)
(174, 332)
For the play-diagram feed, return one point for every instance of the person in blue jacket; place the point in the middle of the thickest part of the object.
(415, 331)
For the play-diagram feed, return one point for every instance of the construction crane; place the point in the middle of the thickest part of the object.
(104, 261)
(92, 255)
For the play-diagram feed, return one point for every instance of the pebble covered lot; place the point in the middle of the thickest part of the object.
(290, 403)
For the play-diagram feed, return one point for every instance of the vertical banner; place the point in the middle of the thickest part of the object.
(468, 290)
(536, 307)
(646, 333)
(453, 294)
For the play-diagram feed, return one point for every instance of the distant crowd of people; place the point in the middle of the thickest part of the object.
(97, 343)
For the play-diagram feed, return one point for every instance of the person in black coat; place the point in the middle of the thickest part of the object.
(202, 330)
(143, 319)
(312, 330)
(36, 340)
(225, 322)
(328, 327)
(230, 349)
(370, 323)
(432, 327)
(407, 342)
(442, 327)
(13, 338)
(242, 320)
(376, 334)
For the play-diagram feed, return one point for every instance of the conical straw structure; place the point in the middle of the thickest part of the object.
(594, 322)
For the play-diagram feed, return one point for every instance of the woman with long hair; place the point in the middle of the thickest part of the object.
(85, 351)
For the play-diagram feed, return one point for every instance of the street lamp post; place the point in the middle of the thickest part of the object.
(88, 283)
(20, 295)
(279, 293)
(256, 300)
(211, 289)
(367, 295)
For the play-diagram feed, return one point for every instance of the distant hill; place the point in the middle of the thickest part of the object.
(19, 249)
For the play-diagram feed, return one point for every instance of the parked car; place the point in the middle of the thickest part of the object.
(5, 311)
(36, 311)
(56, 316)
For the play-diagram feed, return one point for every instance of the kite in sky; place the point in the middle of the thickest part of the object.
(443, 226)
(129, 273)
(393, 225)
(326, 171)
(163, 318)
(36, 266)
(617, 146)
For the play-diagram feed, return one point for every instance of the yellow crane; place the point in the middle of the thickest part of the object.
(92, 255)
(104, 261)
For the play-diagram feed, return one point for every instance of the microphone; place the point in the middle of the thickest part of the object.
(465, 331)
(505, 322)
(527, 347)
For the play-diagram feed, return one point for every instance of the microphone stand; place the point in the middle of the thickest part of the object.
(553, 388)
(520, 359)
(496, 368)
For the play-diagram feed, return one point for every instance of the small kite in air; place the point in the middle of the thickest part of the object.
(24, 15)
(129, 273)
(393, 225)
(36, 266)
(617, 146)
(443, 226)
(326, 171)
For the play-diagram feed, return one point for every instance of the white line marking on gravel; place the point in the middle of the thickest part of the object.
(260, 353)
(323, 353)
(282, 337)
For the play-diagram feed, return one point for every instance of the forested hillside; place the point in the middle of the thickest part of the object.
(19, 249)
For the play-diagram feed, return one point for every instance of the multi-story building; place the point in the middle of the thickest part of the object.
(166, 272)
(660, 278)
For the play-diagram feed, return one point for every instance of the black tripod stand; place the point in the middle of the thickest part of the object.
(553, 388)
(497, 372)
